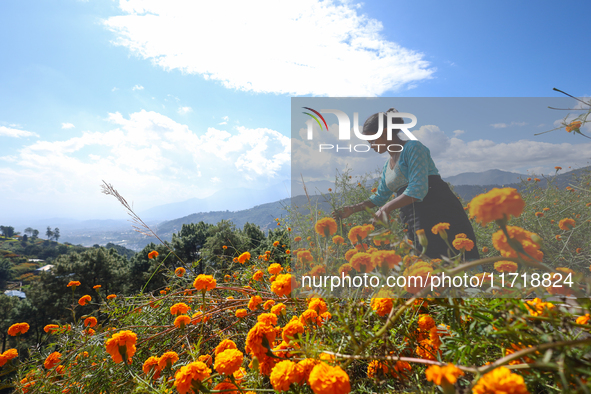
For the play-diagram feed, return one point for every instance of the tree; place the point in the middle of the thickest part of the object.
(5, 272)
(35, 233)
(49, 233)
(7, 231)
(189, 241)
(29, 230)
(56, 234)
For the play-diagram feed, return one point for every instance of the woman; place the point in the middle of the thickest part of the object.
(423, 198)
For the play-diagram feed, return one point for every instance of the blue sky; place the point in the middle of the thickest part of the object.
(169, 100)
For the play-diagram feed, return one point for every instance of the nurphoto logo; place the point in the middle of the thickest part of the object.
(345, 129)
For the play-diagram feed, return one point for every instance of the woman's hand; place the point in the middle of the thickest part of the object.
(381, 216)
(343, 213)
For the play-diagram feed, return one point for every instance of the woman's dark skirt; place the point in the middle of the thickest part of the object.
(440, 205)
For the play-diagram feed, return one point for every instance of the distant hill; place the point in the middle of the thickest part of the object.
(490, 177)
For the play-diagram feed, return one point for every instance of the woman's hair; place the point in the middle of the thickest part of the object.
(372, 123)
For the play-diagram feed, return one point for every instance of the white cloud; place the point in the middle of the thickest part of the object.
(458, 132)
(114, 89)
(499, 125)
(325, 47)
(16, 133)
(184, 110)
(215, 179)
(67, 126)
(138, 87)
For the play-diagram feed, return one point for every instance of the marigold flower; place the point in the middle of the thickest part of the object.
(268, 304)
(73, 283)
(241, 313)
(228, 361)
(151, 364)
(96, 287)
(274, 269)
(17, 329)
(267, 318)
(291, 329)
(179, 309)
(121, 344)
(566, 224)
(496, 205)
(282, 285)
(500, 380)
(440, 228)
(206, 359)
(180, 272)
(304, 255)
(447, 374)
(574, 126)
(153, 254)
(278, 309)
(362, 262)
(90, 321)
(382, 306)
(227, 387)
(254, 339)
(537, 307)
(419, 269)
(7, 356)
(387, 257)
(506, 266)
(356, 233)
(204, 283)
(326, 226)
(244, 257)
(254, 302)
(325, 379)
(463, 243)
(181, 321)
(84, 300)
(283, 374)
(318, 304)
(51, 328)
(583, 319)
(225, 345)
(532, 248)
(185, 376)
(111, 296)
(297, 239)
(426, 322)
(52, 360)
(539, 214)
(167, 359)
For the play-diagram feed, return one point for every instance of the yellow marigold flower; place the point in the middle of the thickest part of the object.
(90, 321)
(84, 300)
(204, 282)
(506, 266)
(496, 204)
(537, 307)
(355, 233)
(111, 296)
(181, 321)
(244, 257)
(362, 262)
(73, 283)
(153, 254)
(17, 329)
(121, 342)
(325, 379)
(179, 309)
(241, 312)
(566, 224)
(254, 302)
(291, 329)
(52, 360)
(382, 306)
(283, 374)
(167, 359)
(268, 304)
(500, 380)
(180, 272)
(447, 374)
(274, 269)
(574, 125)
(278, 309)
(326, 226)
(500, 243)
(463, 243)
(7, 356)
(228, 361)
(184, 377)
(151, 364)
(51, 328)
(225, 345)
(282, 285)
(583, 319)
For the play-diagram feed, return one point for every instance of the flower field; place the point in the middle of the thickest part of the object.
(255, 327)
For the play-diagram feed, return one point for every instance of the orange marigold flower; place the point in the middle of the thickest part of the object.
(297, 239)
(111, 296)
(244, 257)
(356, 233)
(506, 266)
(308, 316)
(291, 329)
(537, 180)
(17, 329)
(537, 307)
(254, 339)
(500, 380)
(382, 306)
(463, 243)
(283, 375)
(426, 322)
(185, 376)
(258, 275)
(84, 300)
(167, 359)
(204, 282)
(7, 356)
(485, 249)
(153, 254)
(325, 379)
(539, 214)
(350, 254)
(52, 360)
(51, 328)
(96, 287)
(121, 344)
(362, 262)
(180, 272)
(267, 318)
(254, 302)
(557, 168)
(276, 243)
(228, 361)
(418, 269)
(73, 283)
(440, 228)
(179, 309)
(206, 359)
(574, 125)
(524, 237)
(90, 321)
(304, 255)
(447, 374)
(583, 319)
(282, 285)
(241, 313)
(303, 369)
(496, 205)
(338, 240)
(566, 224)
(151, 364)
(326, 226)
(225, 345)
(318, 304)
(268, 304)
(274, 269)
(278, 309)
(181, 321)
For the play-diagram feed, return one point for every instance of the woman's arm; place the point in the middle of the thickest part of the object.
(349, 210)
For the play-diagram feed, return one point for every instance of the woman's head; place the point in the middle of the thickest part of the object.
(372, 125)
